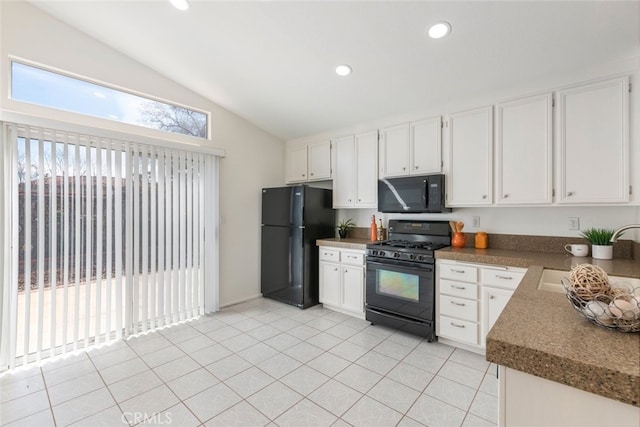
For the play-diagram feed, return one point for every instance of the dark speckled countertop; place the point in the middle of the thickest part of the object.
(541, 334)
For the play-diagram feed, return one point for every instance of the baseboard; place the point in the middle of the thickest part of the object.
(228, 304)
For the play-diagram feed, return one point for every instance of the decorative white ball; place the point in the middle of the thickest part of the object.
(625, 309)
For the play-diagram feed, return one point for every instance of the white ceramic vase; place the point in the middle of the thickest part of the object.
(602, 252)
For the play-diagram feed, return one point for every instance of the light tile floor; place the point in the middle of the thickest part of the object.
(254, 364)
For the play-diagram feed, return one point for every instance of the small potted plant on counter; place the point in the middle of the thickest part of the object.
(601, 246)
(344, 226)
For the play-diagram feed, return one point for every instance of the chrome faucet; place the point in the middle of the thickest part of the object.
(621, 230)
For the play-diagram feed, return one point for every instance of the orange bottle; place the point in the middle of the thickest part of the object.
(374, 229)
(481, 240)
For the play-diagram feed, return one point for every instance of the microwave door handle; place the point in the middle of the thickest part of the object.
(425, 194)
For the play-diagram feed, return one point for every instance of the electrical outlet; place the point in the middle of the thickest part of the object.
(574, 223)
(476, 221)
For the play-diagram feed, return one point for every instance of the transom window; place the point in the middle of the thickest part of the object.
(46, 88)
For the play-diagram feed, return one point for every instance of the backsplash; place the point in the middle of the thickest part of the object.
(551, 244)
(517, 242)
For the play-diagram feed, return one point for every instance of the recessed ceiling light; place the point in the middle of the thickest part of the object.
(343, 70)
(180, 4)
(439, 30)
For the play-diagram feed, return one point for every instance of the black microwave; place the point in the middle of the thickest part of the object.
(412, 194)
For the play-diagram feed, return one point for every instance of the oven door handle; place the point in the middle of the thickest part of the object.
(417, 267)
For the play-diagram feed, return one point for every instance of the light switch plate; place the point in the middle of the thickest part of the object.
(574, 223)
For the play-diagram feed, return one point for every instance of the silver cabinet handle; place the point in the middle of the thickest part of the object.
(456, 325)
(484, 196)
(458, 271)
(570, 193)
(492, 297)
(311, 174)
(504, 277)
(303, 175)
(506, 196)
(417, 167)
(458, 304)
(404, 169)
(462, 288)
(352, 256)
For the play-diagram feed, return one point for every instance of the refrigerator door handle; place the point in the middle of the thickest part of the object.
(301, 226)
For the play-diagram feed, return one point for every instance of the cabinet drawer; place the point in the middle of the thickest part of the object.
(459, 330)
(458, 289)
(459, 308)
(459, 272)
(507, 279)
(332, 255)
(352, 258)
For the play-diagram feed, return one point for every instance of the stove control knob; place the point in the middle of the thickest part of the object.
(381, 253)
(420, 258)
(396, 255)
(412, 256)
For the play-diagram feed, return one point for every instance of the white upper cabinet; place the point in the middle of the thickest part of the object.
(469, 179)
(395, 151)
(344, 173)
(412, 149)
(308, 162)
(355, 178)
(319, 161)
(366, 164)
(426, 146)
(524, 151)
(593, 142)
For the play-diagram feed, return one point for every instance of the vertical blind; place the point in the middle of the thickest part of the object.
(110, 240)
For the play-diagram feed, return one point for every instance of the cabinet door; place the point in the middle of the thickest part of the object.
(344, 173)
(470, 155)
(297, 163)
(319, 161)
(493, 302)
(353, 288)
(426, 143)
(330, 283)
(593, 127)
(366, 169)
(524, 151)
(395, 142)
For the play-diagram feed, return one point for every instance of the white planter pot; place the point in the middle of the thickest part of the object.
(602, 252)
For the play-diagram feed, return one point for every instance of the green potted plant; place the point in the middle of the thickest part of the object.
(344, 226)
(600, 239)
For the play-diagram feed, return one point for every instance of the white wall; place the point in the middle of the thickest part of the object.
(254, 158)
(539, 221)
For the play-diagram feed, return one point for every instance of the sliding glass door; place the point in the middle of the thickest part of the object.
(109, 240)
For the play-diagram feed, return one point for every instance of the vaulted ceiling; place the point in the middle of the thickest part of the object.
(272, 62)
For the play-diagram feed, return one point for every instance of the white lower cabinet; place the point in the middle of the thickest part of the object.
(469, 299)
(526, 400)
(493, 302)
(342, 275)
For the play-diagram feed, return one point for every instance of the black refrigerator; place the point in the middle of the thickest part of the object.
(292, 219)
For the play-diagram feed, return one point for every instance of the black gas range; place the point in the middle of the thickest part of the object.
(400, 281)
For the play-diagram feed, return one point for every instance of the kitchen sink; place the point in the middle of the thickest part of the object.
(551, 280)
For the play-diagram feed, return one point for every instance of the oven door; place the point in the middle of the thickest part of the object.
(402, 288)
